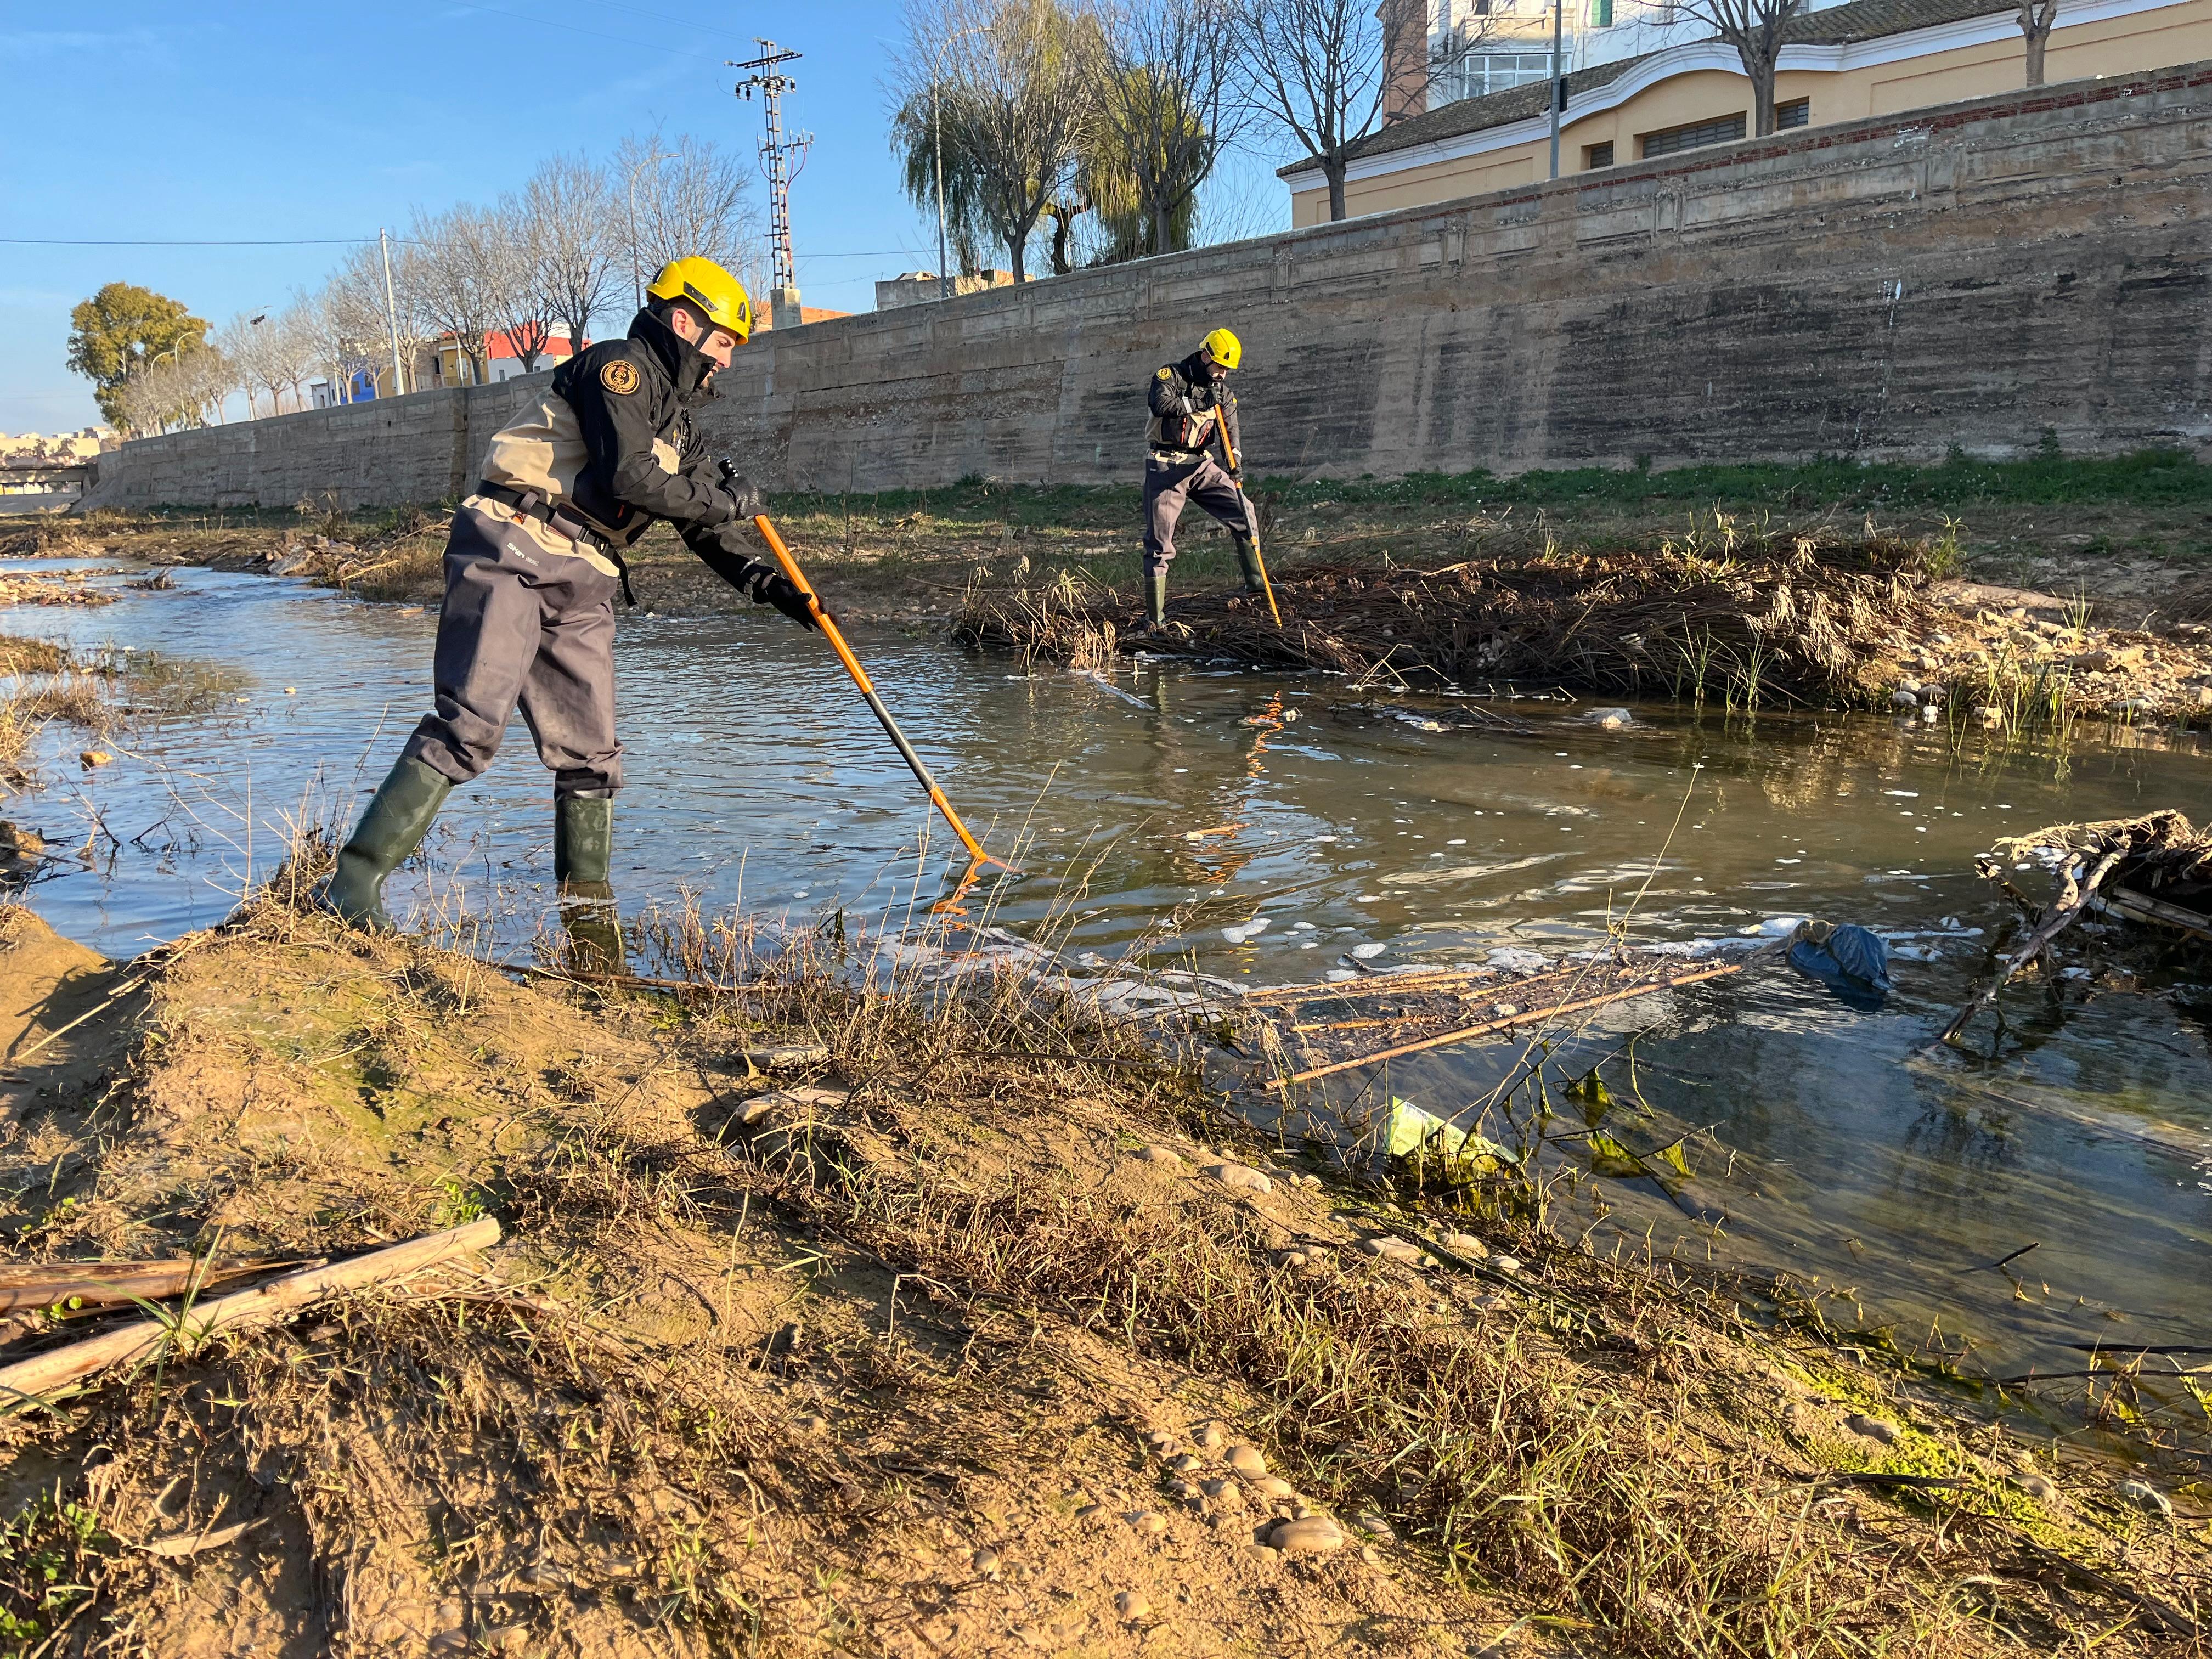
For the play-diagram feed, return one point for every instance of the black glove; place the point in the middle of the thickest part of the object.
(1202, 396)
(746, 502)
(1237, 476)
(768, 586)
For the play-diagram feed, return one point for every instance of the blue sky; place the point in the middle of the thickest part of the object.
(242, 120)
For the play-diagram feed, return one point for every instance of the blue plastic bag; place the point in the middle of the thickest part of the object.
(1850, 960)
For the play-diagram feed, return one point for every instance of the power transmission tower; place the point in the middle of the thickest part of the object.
(781, 159)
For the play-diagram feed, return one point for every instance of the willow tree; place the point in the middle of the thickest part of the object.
(1016, 79)
(1164, 105)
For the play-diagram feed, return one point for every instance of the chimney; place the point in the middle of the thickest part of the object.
(1405, 58)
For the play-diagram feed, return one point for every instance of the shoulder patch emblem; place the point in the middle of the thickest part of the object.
(1165, 373)
(619, 376)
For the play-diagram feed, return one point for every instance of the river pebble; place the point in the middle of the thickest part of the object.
(1131, 1606)
(1369, 951)
(1246, 1462)
(1316, 1534)
(1161, 1441)
(1496, 1302)
(1212, 1437)
(2040, 1487)
(1293, 1260)
(1465, 1244)
(1186, 1464)
(1506, 1264)
(1274, 1486)
(1159, 1155)
(1873, 1428)
(1375, 1526)
(1098, 1514)
(985, 1562)
(1227, 1493)
(1149, 1523)
(788, 1058)
(1391, 1247)
(2145, 1496)
(1239, 1178)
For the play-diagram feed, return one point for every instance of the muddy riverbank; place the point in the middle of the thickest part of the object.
(923, 1319)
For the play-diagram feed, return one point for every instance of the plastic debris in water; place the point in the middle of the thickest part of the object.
(1851, 961)
(1409, 1132)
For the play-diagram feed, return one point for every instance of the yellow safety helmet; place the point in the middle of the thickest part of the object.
(721, 297)
(1223, 348)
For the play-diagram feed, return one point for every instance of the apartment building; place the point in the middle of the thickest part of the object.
(1644, 80)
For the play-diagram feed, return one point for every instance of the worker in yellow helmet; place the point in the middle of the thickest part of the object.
(533, 566)
(1192, 410)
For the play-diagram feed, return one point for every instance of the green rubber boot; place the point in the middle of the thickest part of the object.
(583, 851)
(1248, 560)
(583, 838)
(393, 826)
(1156, 596)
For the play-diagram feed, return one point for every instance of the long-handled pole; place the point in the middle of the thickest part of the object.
(868, 690)
(1251, 523)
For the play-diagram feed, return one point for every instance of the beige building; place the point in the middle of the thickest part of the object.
(1867, 57)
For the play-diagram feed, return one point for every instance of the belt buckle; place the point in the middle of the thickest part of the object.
(562, 525)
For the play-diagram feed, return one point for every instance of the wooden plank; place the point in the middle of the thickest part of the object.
(1532, 1016)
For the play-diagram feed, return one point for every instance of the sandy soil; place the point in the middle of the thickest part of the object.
(823, 1325)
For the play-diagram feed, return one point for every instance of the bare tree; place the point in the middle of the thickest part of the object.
(291, 352)
(1754, 28)
(1022, 78)
(520, 307)
(573, 237)
(694, 198)
(2036, 18)
(1165, 106)
(456, 276)
(1314, 68)
(240, 341)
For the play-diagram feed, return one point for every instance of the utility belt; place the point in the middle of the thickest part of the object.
(529, 504)
(1177, 457)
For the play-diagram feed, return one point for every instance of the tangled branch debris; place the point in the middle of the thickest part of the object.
(2155, 870)
(1808, 621)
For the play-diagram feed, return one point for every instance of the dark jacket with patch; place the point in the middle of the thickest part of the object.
(613, 439)
(1184, 413)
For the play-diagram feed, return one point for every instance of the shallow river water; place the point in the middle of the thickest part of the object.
(1343, 821)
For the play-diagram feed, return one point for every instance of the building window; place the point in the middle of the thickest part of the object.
(1600, 14)
(1691, 137)
(1798, 112)
(1597, 156)
(1476, 73)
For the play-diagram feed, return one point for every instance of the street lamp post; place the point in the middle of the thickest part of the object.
(937, 148)
(636, 276)
(1559, 16)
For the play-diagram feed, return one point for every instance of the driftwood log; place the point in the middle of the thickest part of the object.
(108, 1284)
(31, 1381)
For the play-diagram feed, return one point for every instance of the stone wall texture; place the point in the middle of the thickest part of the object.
(1977, 273)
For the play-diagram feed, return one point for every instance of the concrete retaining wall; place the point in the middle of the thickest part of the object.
(1976, 274)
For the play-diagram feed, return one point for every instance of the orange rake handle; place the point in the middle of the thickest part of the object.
(1265, 587)
(868, 690)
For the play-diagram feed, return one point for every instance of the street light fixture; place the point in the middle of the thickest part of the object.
(636, 276)
(937, 147)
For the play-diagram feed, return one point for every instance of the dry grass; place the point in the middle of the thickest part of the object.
(952, 1259)
(1728, 614)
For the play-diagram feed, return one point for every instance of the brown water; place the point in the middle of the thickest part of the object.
(1194, 807)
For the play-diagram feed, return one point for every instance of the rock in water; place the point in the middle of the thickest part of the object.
(1314, 1535)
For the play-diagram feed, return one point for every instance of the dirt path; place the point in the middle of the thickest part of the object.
(912, 1345)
